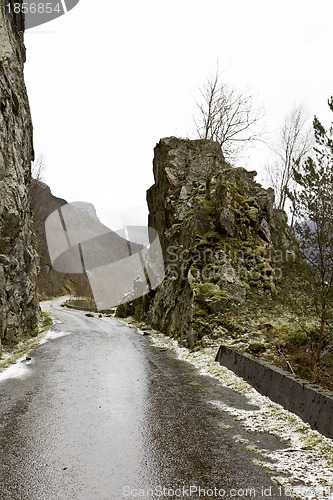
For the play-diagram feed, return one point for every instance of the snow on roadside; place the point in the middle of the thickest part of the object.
(52, 335)
(17, 370)
(305, 468)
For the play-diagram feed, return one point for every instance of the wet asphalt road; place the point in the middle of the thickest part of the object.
(102, 414)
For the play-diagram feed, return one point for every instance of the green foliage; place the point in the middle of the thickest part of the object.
(211, 236)
(260, 251)
(252, 213)
(208, 205)
(256, 347)
(211, 291)
(312, 200)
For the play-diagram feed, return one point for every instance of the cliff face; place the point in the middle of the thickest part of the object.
(18, 307)
(221, 238)
(43, 203)
(104, 248)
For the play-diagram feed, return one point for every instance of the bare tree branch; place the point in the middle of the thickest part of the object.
(226, 116)
(294, 143)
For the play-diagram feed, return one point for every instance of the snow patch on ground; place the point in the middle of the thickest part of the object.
(18, 370)
(306, 465)
(52, 335)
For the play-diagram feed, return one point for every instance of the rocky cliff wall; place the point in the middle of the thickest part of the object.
(18, 307)
(222, 239)
(43, 203)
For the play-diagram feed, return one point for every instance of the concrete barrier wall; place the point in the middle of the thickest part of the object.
(310, 402)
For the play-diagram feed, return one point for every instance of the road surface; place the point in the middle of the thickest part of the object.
(100, 413)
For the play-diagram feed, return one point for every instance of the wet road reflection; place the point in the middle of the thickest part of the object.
(102, 414)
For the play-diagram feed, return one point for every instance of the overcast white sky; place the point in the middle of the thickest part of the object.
(109, 79)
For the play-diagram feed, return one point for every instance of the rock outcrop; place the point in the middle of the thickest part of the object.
(103, 249)
(222, 239)
(19, 309)
(49, 282)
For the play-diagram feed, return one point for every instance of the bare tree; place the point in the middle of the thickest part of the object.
(294, 143)
(38, 208)
(226, 116)
(38, 167)
(37, 170)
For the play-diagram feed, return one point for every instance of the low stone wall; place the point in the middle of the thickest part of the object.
(310, 402)
(80, 306)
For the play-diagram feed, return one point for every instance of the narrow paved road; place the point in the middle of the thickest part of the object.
(100, 413)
